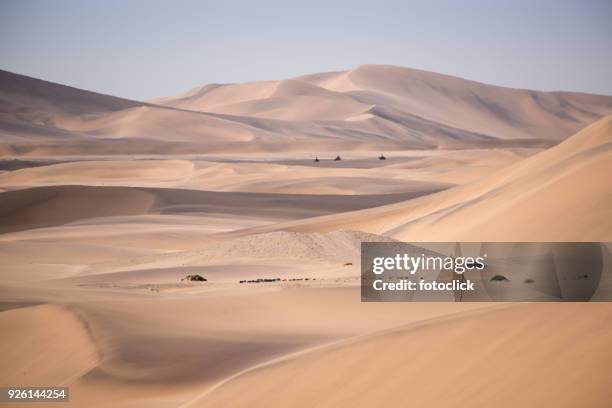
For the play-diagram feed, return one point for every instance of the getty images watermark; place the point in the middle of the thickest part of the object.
(570, 271)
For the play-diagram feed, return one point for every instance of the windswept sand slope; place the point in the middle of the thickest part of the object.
(45, 344)
(48, 206)
(459, 103)
(515, 355)
(412, 98)
(561, 194)
(69, 120)
(144, 349)
(287, 100)
(57, 205)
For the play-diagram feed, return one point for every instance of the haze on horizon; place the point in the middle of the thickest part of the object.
(143, 50)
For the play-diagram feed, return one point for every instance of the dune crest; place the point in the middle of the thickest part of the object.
(560, 194)
(371, 107)
(446, 362)
(400, 94)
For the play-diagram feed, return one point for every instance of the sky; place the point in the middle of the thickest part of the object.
(147, 49)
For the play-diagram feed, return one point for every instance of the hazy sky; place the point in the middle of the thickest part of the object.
(144, 49)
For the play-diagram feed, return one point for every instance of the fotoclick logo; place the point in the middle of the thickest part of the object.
(486, 271)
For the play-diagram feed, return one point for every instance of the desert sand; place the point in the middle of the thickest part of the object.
(431, 363)
(371, 107)
(106, 204)
(560, 194)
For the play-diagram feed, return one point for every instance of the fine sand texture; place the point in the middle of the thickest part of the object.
(467, 360)
(107, 205)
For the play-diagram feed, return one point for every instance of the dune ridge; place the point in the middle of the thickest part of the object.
(48, 206)
(398, 94)
(557, 195)
(479, 370)
(371, 107)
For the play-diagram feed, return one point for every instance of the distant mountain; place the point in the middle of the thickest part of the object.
(374, 107)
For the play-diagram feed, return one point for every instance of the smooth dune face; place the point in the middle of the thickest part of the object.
(560, 194)
(48, 343)
(25, 209)
(58, 205)
(122, 200)
(516, 355)
(399, 94)
(533, 199)
(285, 100)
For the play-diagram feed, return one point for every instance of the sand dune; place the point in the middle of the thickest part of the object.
(456, 102)
(130, 172)
(287, 100)
(56, 205)
(68, 119)
(48, 343)
(208, 96)
(157, 123)
(166, 350)
(290, 177)
(517, 355)
(290, 100)
(47, 206)
(560, 194)
(399, 95)
(30, 106)
(39, 100)
(370, 107)
(221, 182)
